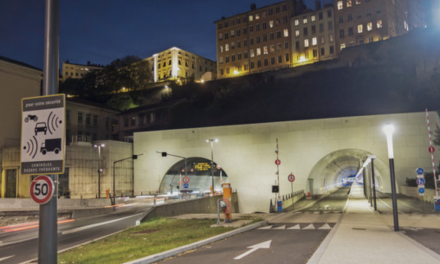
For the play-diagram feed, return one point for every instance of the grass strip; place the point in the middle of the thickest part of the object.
(151, 237)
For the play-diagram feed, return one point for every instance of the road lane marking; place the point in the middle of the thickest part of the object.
(95, 225)
(253, 248)
(297, 227)
(325, 226)
(281, 227)
(311, 226)
(266, 227)
(1, 259)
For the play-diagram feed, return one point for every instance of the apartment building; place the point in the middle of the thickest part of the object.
(180, 65)
(77, 71)
(313, 35)
(365, 21)
(255, 41)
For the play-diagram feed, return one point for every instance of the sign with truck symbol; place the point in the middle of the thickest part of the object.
(42, 135)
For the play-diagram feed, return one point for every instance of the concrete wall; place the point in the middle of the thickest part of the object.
(82, 161)
(414, 192)
(205, 205)
(247, 152)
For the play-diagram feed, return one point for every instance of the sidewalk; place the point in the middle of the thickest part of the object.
(363, 236)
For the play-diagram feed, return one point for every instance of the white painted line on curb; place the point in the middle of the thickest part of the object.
(1, 259)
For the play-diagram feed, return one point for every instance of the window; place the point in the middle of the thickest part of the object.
(286, 45)
(296, 33)
(277, 9)
(322, 51)
(358, 2)
(285, 20)
(369, 26)
(340, 5)
(314, 41)
(95, 120)
(286, 32)
(287, 57)
(80, 118)
(305, 20)
(133, 121)
(221, 72)
(313, 18)
(315, 53)
(232, 33)
(330, 25)
(259, 64)
(349, 3)
(379, 23)
(272, 60)
(88, 121)
(233, 57)
(257, 16)
(220, 36)
(257, 27)
(360, 28)
(341, 33)
(278, 46)
(245, 54)
(320, 16)
(226, 24)
(264, 38)
(350, 31)
(226, 35)
(330, 37)
(251, 41)
(297, 47)
(305, 31)
(265, 50)
(306, 43)
(221, 48)
(258, 40)
(264, 25)
(314, 29)
(332, 50)
(244, 31)
(280, 59)
(271, 11)
(329, 13)
(321, 27)
(227, 59)
(341, 19)
(239, 56)
(226, 47)
(258, 51)
(342, 46)
(272, 48)
(350, 17)
(252, 53)
(322, 40)
(221, 60)
(245, 43)
(227, 70)
(284, 7)
(278, 34)
(251, 28)
(238, 32)
(296, 22)
(271, 36)
(232, 45)
(251, 18)
(238, 44)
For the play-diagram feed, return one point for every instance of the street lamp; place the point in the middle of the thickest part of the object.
(164, 154)
(99, 146)
(212, 140)
(114, 168)
(389, 130)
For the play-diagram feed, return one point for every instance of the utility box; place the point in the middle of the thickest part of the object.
(280, 206)
(437, 203)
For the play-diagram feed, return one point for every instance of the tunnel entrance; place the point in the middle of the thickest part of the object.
(199, 177)
(339, 169)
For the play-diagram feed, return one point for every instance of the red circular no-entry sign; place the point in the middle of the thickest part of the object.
(291, 177)
(277, 162)
(42, 189)
(431, 149)
(185, 179)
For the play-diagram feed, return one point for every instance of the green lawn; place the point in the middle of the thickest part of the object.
(151, 237)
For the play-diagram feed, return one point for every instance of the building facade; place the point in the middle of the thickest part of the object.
(313, 36)
(255, 41)
(77, 71)
(365, 21)
(180, 65)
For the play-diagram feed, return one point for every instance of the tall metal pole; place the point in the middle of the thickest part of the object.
(212, 165)
(374, 184)
(48, 229)
(389, 129)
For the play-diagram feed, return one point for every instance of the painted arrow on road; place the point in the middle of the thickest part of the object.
(254, 248)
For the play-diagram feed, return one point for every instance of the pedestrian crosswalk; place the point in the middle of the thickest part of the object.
(302, 226)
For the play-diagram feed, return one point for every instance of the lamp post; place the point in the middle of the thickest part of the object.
(99, 146)
(389, 130)
(212, 140)
(114, 179)
(164, 154)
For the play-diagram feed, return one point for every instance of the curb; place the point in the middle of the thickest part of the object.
(177, 251)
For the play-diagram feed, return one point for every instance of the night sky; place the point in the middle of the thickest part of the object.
(101, 31)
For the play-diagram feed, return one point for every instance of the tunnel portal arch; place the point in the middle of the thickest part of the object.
(339, 168)
(199, 174)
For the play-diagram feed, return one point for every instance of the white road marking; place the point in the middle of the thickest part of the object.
(297, 227)
(1, 259)
(311, 226)
(325, 226)
(95, 225)
(281, 227)
(254, 248)
(266, 227)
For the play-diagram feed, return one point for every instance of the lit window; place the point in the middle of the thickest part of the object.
(286, 32)
(349, 3)
(271, 24)
(379, 23)
(265, 50)
(252, 53)
(297, 33)
(330, 37)
(369, 26)
(258, 51)
(314, 41)
(227, 47)
(342, 46)
(296, 22)
(340, 5)
(221, 49)
(251, 18)
(221, 60)
(360, 28)
(306, 43)
(313, 18)
(257, 16)
(220, 36)
(232, 33)
(358, 2)
(305, 20)
(322, 40)
(272, 48)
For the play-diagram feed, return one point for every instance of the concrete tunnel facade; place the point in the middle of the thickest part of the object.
(318, 152)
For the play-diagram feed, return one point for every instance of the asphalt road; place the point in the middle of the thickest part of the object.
(21, 245)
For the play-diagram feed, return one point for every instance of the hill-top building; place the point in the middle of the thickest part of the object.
(179, 65)
(77, 71)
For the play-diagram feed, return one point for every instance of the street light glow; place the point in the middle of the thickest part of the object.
(389, 130)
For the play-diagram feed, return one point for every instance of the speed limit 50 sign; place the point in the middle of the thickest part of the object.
(42, 189)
